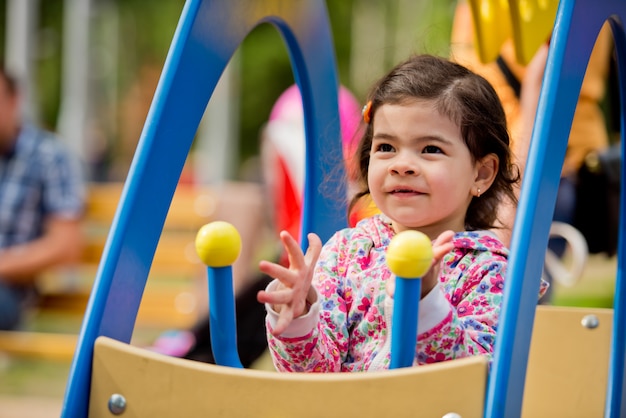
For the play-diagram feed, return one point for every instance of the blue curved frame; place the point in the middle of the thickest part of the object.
(577, 25)
(208, 34)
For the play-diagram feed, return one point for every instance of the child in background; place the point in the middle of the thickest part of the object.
(434, 157)
(518, 87)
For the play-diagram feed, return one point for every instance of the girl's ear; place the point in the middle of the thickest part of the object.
(486, 170)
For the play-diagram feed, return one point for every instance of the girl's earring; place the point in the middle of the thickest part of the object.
(478, 192)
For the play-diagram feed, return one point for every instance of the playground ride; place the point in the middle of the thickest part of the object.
(574, 351)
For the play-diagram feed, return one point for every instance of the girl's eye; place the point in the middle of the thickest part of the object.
(384, 148)
(432, 149)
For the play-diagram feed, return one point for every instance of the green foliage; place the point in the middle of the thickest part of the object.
(49, 54)
(266, 72)
(145, 31)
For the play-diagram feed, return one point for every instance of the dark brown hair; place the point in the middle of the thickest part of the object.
(468, 100)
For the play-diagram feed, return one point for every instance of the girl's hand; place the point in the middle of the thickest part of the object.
(289, 298)
(441, 246)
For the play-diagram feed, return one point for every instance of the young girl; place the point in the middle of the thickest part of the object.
(434, 157)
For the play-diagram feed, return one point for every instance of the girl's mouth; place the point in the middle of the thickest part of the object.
(404, 192)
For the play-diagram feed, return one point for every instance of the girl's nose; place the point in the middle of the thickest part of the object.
(403, 165)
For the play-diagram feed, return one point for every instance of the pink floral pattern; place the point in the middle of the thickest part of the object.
(352, 329)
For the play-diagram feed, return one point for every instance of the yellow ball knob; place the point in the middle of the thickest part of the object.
(218, 244)
(410, 254)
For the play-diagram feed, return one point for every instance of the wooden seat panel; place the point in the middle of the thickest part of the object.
(157, 385)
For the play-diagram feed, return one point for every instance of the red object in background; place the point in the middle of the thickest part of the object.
(286, 142)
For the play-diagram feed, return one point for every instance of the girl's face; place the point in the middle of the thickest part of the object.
(421, 174)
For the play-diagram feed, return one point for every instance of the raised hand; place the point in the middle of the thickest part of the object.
(293, 292)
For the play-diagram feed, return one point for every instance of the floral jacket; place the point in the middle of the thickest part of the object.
(348, 328)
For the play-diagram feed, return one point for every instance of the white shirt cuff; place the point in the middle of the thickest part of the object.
(433, 309)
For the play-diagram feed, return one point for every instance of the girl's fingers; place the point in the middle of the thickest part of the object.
(275, 297)
(390, 287)
(284, 319)
(441, 250)
(294, 252)
(442, 245)
(290, 301)
(444, 237)
(314, 250)
(263, 297)
(279, 272)
(272, 269)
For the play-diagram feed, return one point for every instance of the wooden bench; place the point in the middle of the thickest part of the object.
(175, 294)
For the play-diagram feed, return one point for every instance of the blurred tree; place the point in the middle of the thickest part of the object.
(130, 40)
(48, 61)
(266, 71)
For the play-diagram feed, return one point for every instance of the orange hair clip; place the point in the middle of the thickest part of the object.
(367, 110)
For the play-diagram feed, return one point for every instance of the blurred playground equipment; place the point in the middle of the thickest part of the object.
(574, 351)
(510, 33)
(528, 22)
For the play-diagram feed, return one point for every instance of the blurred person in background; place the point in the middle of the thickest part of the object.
(518, 87)
(42, 198)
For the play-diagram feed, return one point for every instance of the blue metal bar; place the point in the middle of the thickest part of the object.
(207, 36)
(405, 319)
(136, 227)
(576, 27)
(222, 319)
(615, 407)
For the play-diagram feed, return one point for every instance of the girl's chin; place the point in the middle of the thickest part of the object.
(400, 223)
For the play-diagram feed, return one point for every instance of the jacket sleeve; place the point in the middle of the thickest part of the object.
(469, 328)
(318, 341)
